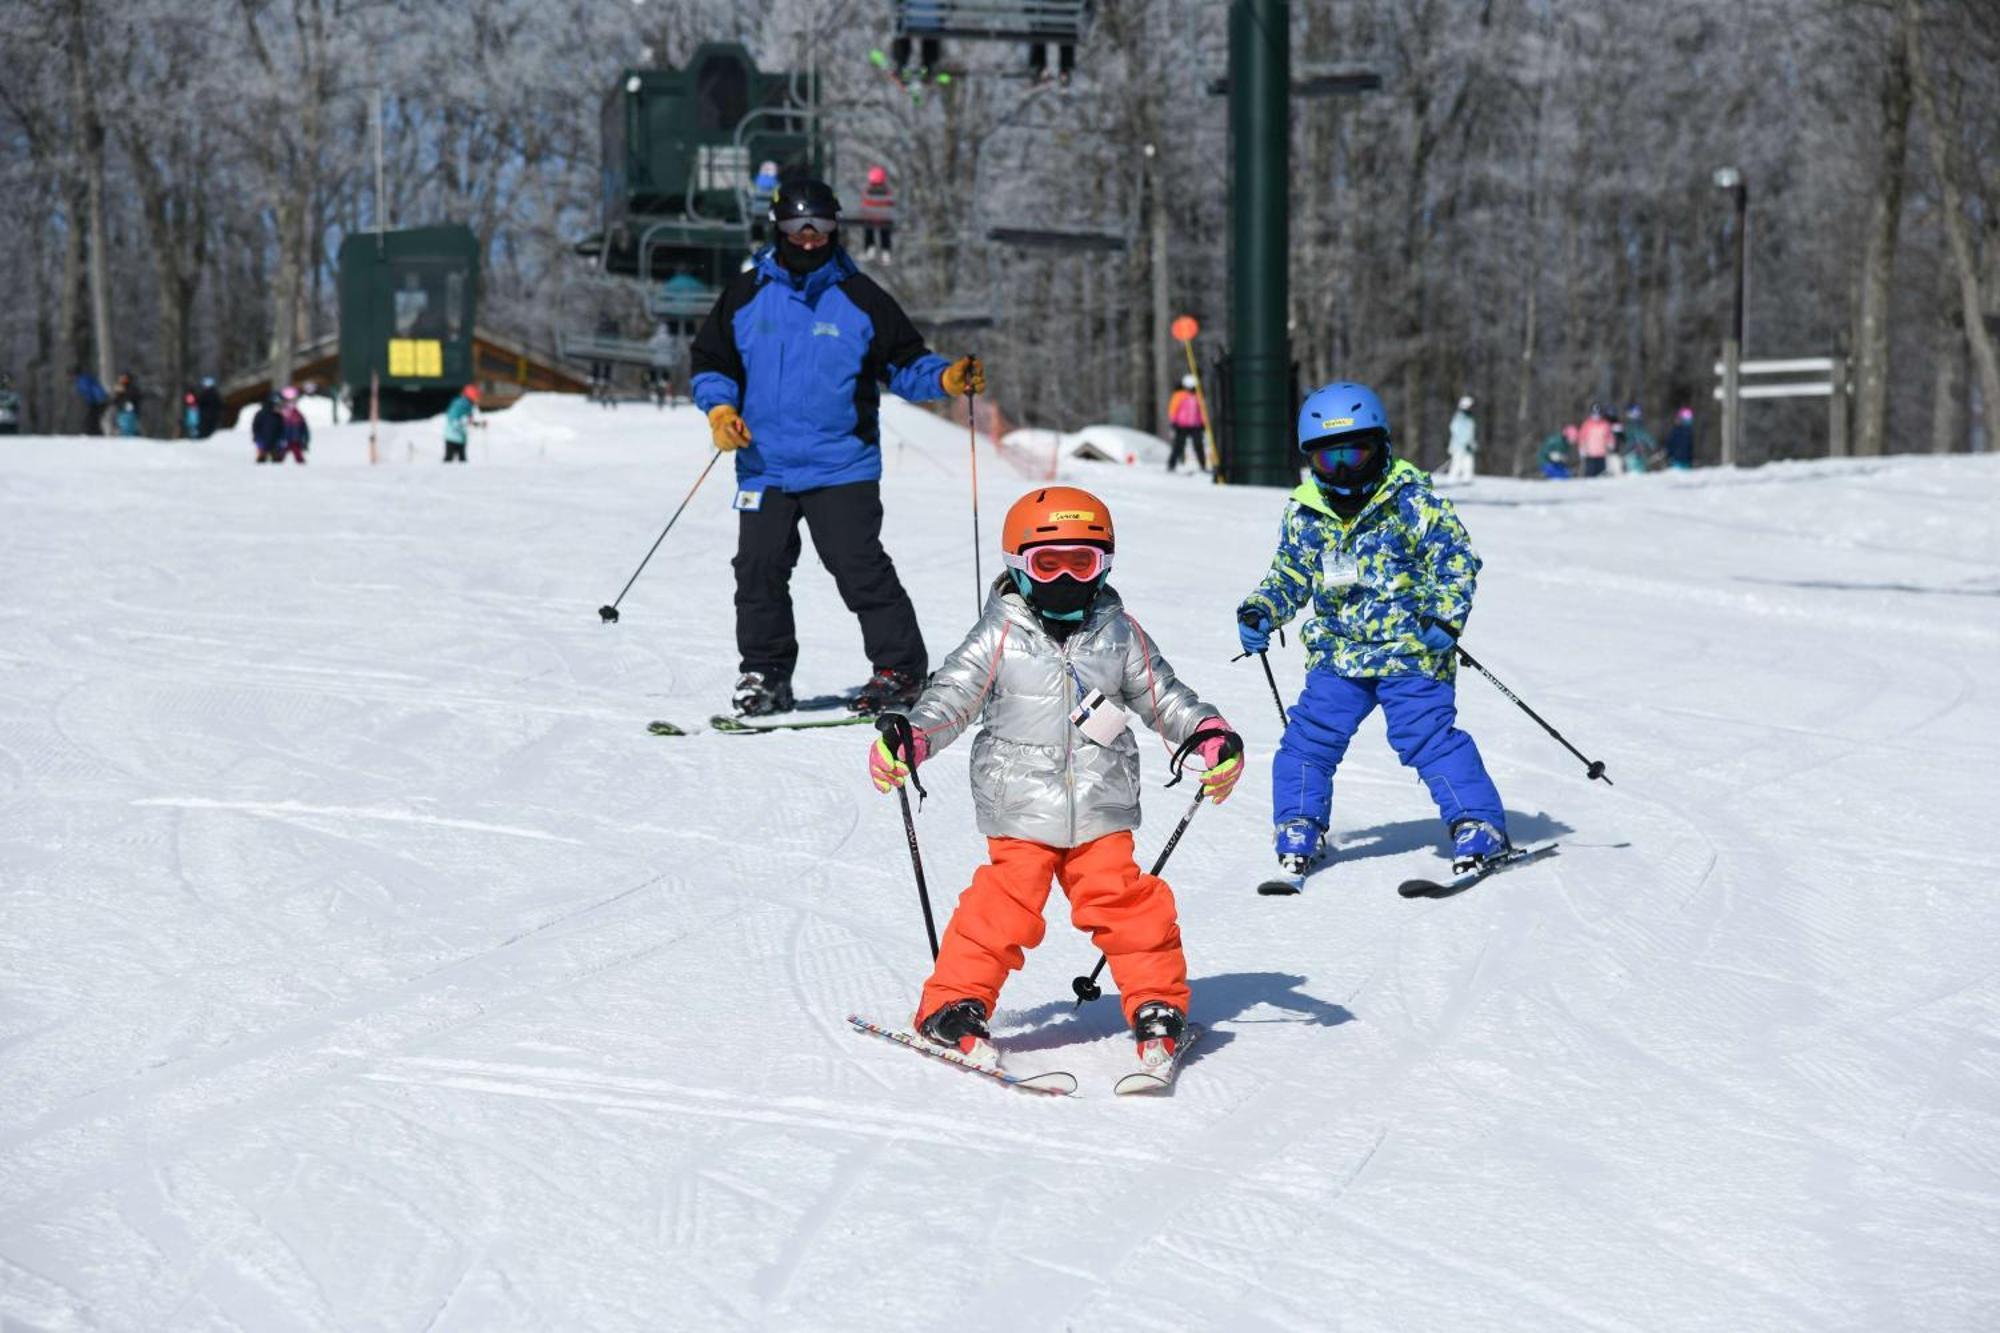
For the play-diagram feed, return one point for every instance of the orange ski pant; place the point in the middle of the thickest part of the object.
(1130, 916)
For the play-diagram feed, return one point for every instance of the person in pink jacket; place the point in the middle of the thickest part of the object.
(1184, 414)
(1593, 441)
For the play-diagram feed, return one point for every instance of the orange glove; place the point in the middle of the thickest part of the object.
(725, 423)
(964, 375)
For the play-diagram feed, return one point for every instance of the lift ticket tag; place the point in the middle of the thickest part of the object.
(1338, 568)
(1099, 719)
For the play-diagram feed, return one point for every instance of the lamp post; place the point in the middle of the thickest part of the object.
(1730, 179)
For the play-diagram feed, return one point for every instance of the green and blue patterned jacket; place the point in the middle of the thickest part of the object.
(1373, 578)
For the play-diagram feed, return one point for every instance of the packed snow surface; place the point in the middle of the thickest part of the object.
(365, 964)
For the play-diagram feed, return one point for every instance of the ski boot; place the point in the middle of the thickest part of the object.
(887, 691)
(1157, 1027)
(1474, 842)
(961, 1026)
(761, 694)
(1300, 846)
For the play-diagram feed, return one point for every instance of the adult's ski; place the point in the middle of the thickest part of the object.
(1053, 1083)
(1160, 1078)
(789, 720)
(1517, 856)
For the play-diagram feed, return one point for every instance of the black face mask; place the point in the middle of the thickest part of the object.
(1062, 596)
(799, 260)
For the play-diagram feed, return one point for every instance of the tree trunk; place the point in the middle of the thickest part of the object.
(1947, 380)
(90, 134)
(1878, 263)
(72, 327)
(1967, 263)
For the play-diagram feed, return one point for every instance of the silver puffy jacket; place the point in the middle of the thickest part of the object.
(1034, 774)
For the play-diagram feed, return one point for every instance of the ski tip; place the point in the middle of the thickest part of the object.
(1279, 888)
(664, 729)
(1420, 888)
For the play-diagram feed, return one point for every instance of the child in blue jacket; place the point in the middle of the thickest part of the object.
(1388, 573)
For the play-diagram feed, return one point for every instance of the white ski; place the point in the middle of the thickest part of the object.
(1160, 1077)
(1054, 1083)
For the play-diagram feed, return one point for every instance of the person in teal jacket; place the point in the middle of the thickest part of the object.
(1387, 572)
(456, 418)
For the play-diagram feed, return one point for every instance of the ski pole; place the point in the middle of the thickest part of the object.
(1592, 768)
(609, 614)
(1271, 676)
(972, 447)
(895, 728)
(1086, 988)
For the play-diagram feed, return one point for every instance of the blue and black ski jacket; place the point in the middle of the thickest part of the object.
(804, 357)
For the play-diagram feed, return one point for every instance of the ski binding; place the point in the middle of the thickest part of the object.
(1516, 856)
(1160, 1079)
(1053, 1083)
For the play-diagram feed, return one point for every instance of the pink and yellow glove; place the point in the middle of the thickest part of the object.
(1220, 779)
(887, 769)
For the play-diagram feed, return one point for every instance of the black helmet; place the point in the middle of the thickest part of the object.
(804, 198)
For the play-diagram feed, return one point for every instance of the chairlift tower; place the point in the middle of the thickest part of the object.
(1261, 445)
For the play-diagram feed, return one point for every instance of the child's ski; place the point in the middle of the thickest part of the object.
(1160, 1078)
(1284, 884)
(1517, 856)
(1053, 1083)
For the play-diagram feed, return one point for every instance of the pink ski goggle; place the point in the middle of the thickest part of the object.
(1045, 564)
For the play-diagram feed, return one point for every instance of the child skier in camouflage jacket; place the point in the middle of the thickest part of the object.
(1057, 790)
(1388, 572)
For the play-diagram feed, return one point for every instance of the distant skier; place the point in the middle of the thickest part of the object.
(190, 416)
(267, 431)
(295, 435)
(878, 216)
(1388, 573)
(789, 368)
(1462, 443)
(10, 407)
(1053, 671)
(1185, 416)
(129, 400)
(456, 418)
(1680, 441)
(91, 390)
(1557, 454)
(208, 400)
(1636, 445)
(1594, 441)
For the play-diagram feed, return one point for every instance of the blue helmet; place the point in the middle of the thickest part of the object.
(1341, 408)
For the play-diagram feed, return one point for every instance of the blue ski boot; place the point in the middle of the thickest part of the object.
(1474, 842)
(1299, 846)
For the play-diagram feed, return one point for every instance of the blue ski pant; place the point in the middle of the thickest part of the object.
(1422, 714)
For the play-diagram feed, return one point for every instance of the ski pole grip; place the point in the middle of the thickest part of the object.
(895, 729)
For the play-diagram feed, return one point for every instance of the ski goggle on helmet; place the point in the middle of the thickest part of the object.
(1058, 530)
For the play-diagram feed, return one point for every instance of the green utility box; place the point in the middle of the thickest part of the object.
(407, 304)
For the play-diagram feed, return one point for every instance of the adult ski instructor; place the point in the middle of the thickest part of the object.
(789, 368)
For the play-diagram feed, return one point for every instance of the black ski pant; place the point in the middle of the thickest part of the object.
(846, 526)
(1185, 438)
(454, 451)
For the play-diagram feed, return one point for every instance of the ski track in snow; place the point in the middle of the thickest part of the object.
(365, 964)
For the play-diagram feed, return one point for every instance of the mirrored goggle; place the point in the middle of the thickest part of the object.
(793, 226)
(1046, 563)
(1337, 456)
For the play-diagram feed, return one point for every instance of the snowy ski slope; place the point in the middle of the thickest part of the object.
(364, 964)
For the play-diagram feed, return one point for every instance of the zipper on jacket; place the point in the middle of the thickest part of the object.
(1069, 740)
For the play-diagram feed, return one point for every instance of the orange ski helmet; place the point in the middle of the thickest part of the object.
(1057, 514)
